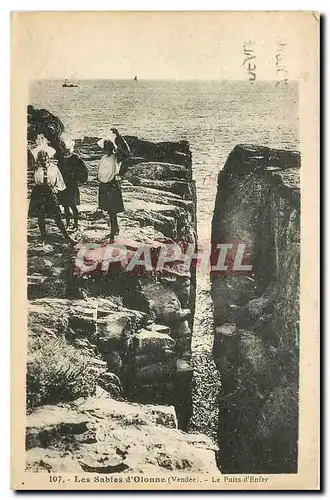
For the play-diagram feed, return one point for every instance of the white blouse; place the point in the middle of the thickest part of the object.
(54, 177)
(108, 168)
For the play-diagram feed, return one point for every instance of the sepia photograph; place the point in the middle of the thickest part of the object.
(161, 222)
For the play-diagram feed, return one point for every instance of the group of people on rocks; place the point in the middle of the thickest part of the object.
(56, 184)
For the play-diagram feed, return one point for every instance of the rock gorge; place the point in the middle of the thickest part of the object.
(109, 378)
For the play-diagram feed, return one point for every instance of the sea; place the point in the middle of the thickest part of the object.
(213, 116)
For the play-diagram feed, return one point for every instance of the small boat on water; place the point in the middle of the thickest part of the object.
(69, 84)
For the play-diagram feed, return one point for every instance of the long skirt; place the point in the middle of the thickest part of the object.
(70, 196)
(110, 197)
(44, 199)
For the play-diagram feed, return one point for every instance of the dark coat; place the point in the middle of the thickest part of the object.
(110, 197)
(74, 172)
(123, 151)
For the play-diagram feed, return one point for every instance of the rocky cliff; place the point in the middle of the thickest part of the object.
(103, 346)
(256, 316)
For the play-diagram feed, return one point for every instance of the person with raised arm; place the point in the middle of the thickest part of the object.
(122, 150)
(110, 197)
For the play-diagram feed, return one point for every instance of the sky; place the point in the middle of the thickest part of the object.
(169, 45)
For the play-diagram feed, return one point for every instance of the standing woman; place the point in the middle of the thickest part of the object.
(122, 150)
(48, 182)
(110, 197)
(74, 172)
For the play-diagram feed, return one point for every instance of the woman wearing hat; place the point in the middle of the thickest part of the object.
(110, 197)
(48, 182)
(74, 172)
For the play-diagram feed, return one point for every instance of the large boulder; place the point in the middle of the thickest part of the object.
(150, 341)
(162, 302)
(41, 121)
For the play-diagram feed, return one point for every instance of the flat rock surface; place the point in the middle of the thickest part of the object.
(108, 435)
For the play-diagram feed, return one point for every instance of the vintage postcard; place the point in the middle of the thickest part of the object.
(165, 190)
